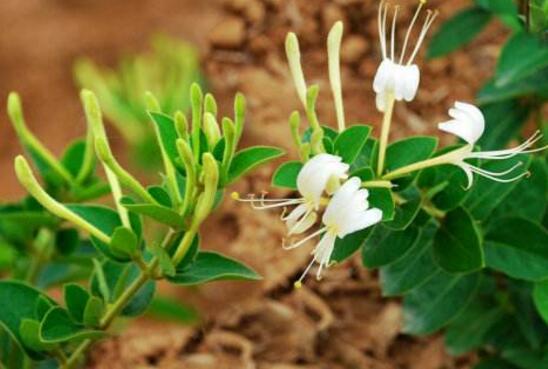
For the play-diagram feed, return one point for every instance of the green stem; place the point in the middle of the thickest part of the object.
(377, 184)
(385, 132)
(184, 246)
(118, 305)
(451, 157)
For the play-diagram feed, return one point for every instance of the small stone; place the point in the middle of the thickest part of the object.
(230, 33)
(254, 11)
(353, 48)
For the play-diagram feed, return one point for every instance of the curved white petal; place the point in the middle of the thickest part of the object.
(468, 122)
(364, 220)
(348, 212)
(383, 76)
(315, 174)
(380, 102)
(341, 200)
(411, 82)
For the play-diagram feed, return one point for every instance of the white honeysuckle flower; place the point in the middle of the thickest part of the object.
(320, 174)
(398, 78)
(347, 212)
(468, 123)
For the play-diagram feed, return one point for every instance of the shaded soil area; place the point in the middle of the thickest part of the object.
(340, 322)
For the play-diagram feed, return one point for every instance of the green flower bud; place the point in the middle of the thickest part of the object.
(181, 125)
(211, 130)
(206, 200)
(151, 102)
(210, 105)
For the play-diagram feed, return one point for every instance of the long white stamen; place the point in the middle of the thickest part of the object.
(496, 174)
(495, 178)
(300, 221)
(383, 45)
(430, 17)
(408, 33)
(274, 203)
(393, 37)
(299, 282)
(508, 153)
(304, 240)
(381, 33)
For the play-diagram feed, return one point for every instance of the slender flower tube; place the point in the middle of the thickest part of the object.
(468, 123)
(320, 174)
(397, 77)
(347, 212)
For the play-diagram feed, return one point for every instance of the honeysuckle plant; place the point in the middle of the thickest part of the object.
(167, 71)
(150, 233)
(458, 231)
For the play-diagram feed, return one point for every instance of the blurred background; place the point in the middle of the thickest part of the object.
(49, 48)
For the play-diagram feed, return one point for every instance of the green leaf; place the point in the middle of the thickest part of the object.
(471, 329)
(164, 259)
(437, 302)
(528, 198)
(159, 213)
(351, 141)
(117, 278)
(367, 156)
(486, 194)
(414, 268)
(93, 312)
(503, 121)
(457, 243)
(211, 266)
(22, 301)
(168, 134)
(31, 219)
(345, 247)
(30, 334)
(458, 31)
(540, 296)
(161, 195)
(286, 175)
(406, 212)
(534, 84)
(76, 298)
(58, 327)
(523, 55)
(166, 308)
(385, 246)
(517, 247)
(73, 157)
(381, 198)
(67, 241)
(408, 151)
(124, 242)
(247, 159)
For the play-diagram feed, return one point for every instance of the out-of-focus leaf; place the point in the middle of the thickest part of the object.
(457, 31)
(523, 55)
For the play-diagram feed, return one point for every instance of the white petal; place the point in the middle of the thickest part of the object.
(383, 76)
(380, 102)
(411, 80)
(295, 215)
(468, 122)
(364, 220)
(325, 247)
(313, 177)
(339, 203)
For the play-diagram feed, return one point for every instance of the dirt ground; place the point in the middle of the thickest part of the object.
(340, 322)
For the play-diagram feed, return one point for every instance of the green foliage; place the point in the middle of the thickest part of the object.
(212, 266)
(457, 243)
(63, 241)
(167, 71)
(458, 30)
